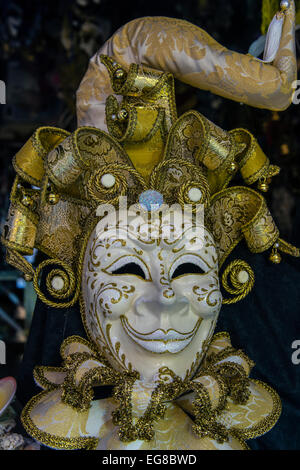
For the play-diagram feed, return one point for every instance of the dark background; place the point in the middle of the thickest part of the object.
(44, 51)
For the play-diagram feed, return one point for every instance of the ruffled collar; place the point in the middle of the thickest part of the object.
(219, 408)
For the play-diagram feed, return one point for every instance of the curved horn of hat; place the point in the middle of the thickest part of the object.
(195, 58)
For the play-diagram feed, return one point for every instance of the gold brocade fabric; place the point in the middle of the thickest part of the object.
(56, 219)
(195, 58)
(233, 407)
(28, 162)
(237, 213)
(147, 147)
(195, 153)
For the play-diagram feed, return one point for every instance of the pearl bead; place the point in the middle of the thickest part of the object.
(243, 277)
(195, 195)
(285, 4)
(108, 180)
(57, 283)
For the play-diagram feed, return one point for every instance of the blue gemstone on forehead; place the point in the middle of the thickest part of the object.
(151, 200)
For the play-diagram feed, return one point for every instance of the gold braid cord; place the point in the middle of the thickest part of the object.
(242, 281)
(220, 397)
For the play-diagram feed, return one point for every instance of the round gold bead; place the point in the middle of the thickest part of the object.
(233, 167)
(27, 277)
(53, 198)
(275, 258)
(263, 186)
(119, 73)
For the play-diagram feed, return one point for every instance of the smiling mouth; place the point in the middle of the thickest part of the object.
(161, 341)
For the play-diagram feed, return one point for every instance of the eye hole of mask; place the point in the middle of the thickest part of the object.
(187, 268)
(130, 268)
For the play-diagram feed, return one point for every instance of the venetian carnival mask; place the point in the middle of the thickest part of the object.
(151, 305)
(150, 300)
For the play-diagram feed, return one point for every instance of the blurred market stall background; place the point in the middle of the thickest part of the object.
(44, 51)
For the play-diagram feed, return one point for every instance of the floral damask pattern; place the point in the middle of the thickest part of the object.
(238, 212)
(195, 58)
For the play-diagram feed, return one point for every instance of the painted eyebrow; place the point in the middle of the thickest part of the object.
(131, 259)
(190, 254)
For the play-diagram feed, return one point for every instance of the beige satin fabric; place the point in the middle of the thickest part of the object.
(195, 58)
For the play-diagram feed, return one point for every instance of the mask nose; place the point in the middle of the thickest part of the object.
(161, 302)
(163, 291)
(165, 295)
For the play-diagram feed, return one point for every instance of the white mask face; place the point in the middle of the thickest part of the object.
(151, 306)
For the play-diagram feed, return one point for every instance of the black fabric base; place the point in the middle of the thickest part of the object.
(265, 325)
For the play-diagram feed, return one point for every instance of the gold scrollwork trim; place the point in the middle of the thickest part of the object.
(50, 440)
(41, 380)
(267, 423)
(73, 284)
(239, 290)
(78, 339)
